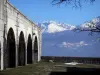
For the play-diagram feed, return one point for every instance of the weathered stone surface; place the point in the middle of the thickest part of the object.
(16, 46)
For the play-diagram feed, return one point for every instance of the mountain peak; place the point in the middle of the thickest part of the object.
(53, 26)
(93, 23)
(98, 17)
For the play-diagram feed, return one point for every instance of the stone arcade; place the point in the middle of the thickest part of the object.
(20, 38)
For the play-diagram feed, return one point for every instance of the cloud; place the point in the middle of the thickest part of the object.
(73, 45)
(52, 44)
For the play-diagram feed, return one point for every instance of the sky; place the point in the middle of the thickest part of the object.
(43, 10)
(62, 43)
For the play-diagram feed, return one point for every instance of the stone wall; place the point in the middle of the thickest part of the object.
(12, 19)
(3, 23)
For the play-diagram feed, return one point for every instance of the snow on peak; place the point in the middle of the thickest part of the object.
(93, 23)
(53, 26)
(96, 20)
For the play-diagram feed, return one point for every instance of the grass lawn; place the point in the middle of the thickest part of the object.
(41, 68)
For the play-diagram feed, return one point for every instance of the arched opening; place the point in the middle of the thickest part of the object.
(35, 49)
(29, 50)
(11, 50)
(21, 50)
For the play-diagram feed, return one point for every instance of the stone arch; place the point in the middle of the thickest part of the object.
(10, 52)
(35, 49)
(21, 50)
(29, 50)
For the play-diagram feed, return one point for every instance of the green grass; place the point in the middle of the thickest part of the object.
(41, 68)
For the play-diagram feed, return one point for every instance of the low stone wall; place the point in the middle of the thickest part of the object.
(86, 60)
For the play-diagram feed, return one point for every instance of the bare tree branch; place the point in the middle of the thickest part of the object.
(58, 2)
(75, 3)
(92, 28)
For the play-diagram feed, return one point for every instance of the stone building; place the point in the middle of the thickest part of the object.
(20, 38)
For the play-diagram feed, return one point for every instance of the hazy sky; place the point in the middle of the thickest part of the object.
(41, 10)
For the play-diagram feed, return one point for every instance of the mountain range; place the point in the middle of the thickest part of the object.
(59, 39)
(53, 26)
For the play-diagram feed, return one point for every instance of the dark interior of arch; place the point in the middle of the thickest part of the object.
(29, 50)
(35, 49)
(11, 50)
(21, 50)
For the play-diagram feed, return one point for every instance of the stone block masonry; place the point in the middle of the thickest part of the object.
(20, 38)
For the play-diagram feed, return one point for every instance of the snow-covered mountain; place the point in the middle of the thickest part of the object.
(96, 20)
(91, 24)
(65, 42)
(53, 27)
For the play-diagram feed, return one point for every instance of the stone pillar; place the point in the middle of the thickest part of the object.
(26, 54)
(33, 44)
(38, 47)
(17, 39)
(26, 47)
(32, 49)
(39, 44)
(16, 53)
(3, 30)
(2, 55)
(1, 33)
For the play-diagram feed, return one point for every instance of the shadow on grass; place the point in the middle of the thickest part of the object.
(75, 69)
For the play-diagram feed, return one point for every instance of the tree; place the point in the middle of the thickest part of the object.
(92, 27)
(74, 3)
